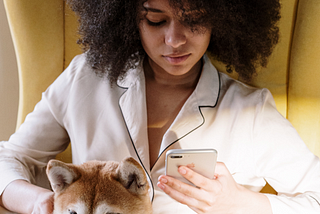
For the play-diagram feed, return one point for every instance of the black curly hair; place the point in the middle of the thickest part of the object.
(244, 32)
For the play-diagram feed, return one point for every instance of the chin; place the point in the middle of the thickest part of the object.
(178, 71)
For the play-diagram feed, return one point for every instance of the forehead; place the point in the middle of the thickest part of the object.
(104, 207)
(186, 11)
(158, 6)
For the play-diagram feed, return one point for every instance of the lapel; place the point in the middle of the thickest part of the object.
(134, 110)
(190, 118)
(133, 107)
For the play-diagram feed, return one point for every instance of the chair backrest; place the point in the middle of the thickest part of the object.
(45, 35)
(293, 72)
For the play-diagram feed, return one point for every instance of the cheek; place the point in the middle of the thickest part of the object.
(144, 35)
(149, 44)
(202, 41)
(146, 45)
(150, 36)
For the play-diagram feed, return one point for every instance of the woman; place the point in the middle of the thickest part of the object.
(163, 93)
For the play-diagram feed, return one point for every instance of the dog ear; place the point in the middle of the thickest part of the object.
(61, 175)
(132, 176)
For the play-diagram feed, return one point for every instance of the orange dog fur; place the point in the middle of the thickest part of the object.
(97, 187)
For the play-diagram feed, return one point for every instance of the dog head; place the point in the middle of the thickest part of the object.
(97, 187)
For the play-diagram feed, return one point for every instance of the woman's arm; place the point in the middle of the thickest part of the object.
(40, 138)
(23, 161)
(23, 197)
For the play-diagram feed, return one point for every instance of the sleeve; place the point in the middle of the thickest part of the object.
(285, 162)
(41, 137)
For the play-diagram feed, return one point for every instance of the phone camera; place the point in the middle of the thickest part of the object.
(176, 156)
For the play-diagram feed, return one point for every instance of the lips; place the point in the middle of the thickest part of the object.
(176, 59)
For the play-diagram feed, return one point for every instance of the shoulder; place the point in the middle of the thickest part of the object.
(80, 76)
(240, 94)
(77, 80)
(78, 67)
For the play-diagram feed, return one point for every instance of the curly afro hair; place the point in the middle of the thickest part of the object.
(244, 32)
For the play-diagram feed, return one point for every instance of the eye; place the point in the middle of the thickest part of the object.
(72, 211)
(155, 24)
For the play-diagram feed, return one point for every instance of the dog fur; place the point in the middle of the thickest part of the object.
(97, 187)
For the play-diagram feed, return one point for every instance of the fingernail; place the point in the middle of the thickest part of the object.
(182, 171)
(163, 180)
(160, 186)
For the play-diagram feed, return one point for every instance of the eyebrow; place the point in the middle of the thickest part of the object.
(154, 10)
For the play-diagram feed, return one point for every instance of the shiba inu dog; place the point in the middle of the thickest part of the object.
(97, 187)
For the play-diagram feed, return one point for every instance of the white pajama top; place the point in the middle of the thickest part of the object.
(109, 122)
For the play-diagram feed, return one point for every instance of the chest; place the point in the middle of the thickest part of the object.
(163, 105)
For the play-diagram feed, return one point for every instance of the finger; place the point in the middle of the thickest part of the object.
(178, 195)
(178, 185)
(196, 205)
(197, 179)
(221, 169)
(222, 174)
(197, 210)
(173, 186)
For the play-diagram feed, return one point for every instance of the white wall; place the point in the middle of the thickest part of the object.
(9, 88)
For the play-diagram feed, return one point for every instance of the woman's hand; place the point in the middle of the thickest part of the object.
(221, 195)
(44, 203)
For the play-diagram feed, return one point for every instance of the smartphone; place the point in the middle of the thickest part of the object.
(202, 161)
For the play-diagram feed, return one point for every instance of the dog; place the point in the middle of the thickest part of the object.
(99, 187)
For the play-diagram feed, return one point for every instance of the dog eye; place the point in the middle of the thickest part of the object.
(72, 211)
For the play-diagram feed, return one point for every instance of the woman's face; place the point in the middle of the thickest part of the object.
(170, 46)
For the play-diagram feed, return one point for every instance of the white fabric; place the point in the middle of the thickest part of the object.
(110, 123)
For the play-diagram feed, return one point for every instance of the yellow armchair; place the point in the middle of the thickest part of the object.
(45, 35)
(293, 72)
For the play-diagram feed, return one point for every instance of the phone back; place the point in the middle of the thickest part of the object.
(202, 161)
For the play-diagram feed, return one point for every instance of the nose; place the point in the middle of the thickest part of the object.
(176, 34)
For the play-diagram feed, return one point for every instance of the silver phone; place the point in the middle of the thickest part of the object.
(202, 161)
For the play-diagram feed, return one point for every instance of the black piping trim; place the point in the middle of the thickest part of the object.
(194, 128)
(135, 149)
(314, 199)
